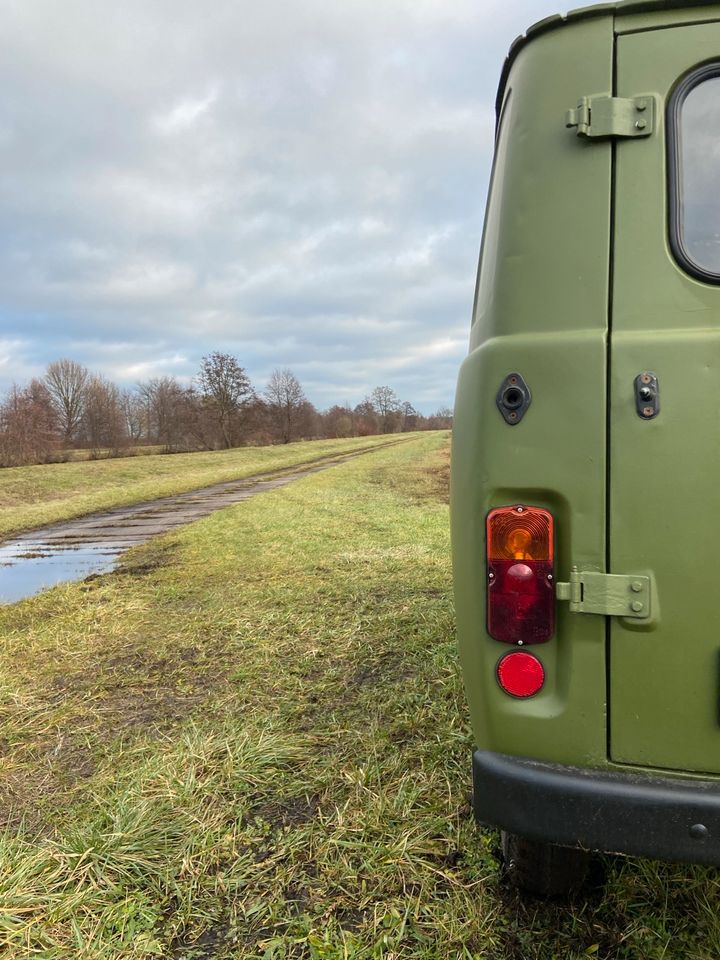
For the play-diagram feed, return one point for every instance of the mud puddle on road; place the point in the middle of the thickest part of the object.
(30, 567)
(76, 549)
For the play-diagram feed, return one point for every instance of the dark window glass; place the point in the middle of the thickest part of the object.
(695, 168)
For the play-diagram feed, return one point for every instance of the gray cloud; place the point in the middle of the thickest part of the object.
(301, 184)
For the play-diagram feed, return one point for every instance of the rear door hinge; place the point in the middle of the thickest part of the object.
(603, 116)
(609, 594)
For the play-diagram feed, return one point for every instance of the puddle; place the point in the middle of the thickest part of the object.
(27, 568)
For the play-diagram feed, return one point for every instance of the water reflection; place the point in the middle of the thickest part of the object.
(27, 566)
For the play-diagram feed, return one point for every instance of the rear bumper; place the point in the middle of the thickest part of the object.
(669, 819)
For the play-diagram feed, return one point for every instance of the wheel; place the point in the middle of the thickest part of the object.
(544, 869)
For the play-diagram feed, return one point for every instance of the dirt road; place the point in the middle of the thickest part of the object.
(77, 548)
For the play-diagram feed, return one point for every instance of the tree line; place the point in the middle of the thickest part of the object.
(71, 408)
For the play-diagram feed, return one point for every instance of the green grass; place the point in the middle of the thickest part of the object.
(252, 742)
(34, 496)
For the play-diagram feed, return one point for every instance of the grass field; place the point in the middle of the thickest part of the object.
(251, 741)
(34, 496)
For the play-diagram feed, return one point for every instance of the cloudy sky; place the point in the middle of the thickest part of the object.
(298, 183)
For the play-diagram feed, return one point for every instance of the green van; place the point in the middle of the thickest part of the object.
(586, 447)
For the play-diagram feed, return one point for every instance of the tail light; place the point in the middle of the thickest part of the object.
(521, 589)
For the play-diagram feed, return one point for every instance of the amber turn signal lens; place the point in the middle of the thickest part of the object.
(520, 533)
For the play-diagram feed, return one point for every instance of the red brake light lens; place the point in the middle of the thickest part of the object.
(521, 587)
(520, 674)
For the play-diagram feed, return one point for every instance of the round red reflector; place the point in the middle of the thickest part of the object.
(520, 674)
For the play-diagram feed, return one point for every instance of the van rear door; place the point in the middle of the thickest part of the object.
(664, 470)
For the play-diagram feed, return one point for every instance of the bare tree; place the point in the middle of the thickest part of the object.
(286, 400)
(29, 428)
(410, 417)
(386, 403)
(66, 381)
(164, 401)
(365, 419)
(192, 424)
(133, 410)
(226, 389)
(338, 422)
(440, 420)
(103, 424)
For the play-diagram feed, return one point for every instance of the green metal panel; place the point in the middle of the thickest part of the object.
(665, 472)
(541, 309)
(628, 14)
(660, 19)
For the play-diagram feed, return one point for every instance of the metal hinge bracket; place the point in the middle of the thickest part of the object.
(609, 594)
(604, 116)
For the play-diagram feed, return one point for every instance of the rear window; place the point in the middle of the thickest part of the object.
(694, 168)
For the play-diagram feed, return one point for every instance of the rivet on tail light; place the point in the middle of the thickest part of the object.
(520, 674)
(520, 582)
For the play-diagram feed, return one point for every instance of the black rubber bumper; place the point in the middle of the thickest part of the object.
(668, 819)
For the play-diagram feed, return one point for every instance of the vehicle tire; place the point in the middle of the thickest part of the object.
(543, 869)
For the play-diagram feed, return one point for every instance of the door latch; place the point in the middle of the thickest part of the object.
(609, 594)
(647, 395)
